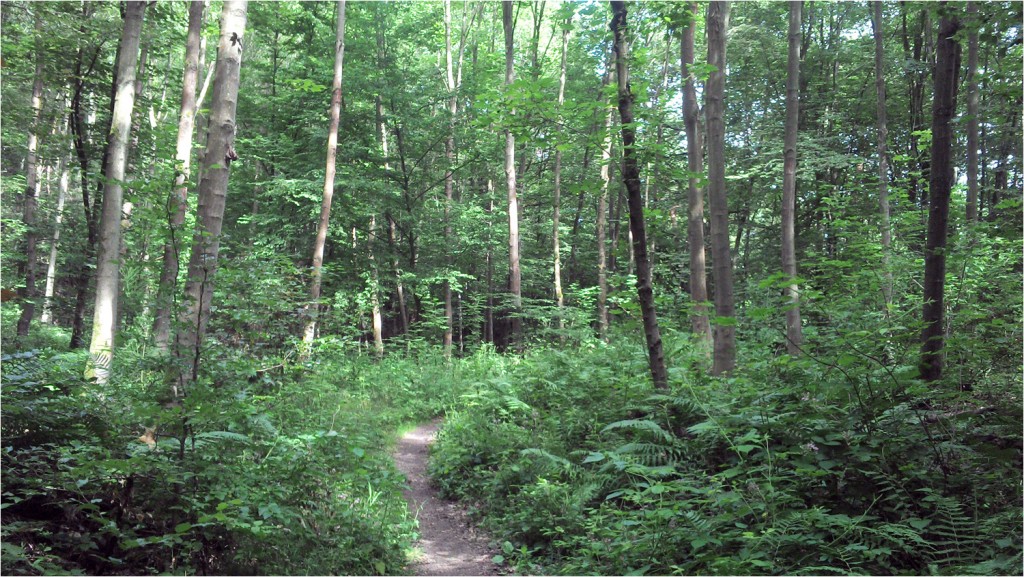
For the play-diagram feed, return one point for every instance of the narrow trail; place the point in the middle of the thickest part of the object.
(450, 544)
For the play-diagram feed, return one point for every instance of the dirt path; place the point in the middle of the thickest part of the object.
(449, 543)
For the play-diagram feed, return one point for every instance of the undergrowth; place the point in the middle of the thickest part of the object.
(269, 465)
(829, 464)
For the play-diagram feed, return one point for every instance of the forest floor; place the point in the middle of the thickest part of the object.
(449, 543)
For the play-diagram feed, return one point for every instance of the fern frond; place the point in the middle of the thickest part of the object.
(639, 425)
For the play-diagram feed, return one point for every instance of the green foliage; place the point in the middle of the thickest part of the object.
(266, 467)
(815, 466)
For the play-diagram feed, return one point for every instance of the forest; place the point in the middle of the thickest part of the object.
(689, 288)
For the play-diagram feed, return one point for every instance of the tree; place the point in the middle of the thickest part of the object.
(557, 194)
(631, 179)
(972, 114)
(62, 194)
(101, 348)
(453, 81)
(213, 188)
(602, 216)
(177, 201)
(947, 65)
(695, 193)
(714, 93)
(883, 159)
(28, 293)
(515, 276)
(313, 309)
(794, 332)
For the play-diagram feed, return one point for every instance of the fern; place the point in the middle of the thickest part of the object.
(651, 454)
(554, 459)
(639, 425)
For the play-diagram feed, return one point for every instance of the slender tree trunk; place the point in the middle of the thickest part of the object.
(794, 332)
(883, 159)
(602, 217)
(556, 201)
(515, 280)
(51, 266)
(76, 119)
(28, 293)
(403, 311)
(449, 153)
(313, 309)
(714, 91)
(213, 188)
(101, 348)
(940, 183)
(631, 179)
(972, 114)
(177, 201)
(489, 256)
(377, 322)
(695, 224)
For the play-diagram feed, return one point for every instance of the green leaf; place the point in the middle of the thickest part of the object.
(594, 458)
(498, 559)
(358, 452)
(182, 527)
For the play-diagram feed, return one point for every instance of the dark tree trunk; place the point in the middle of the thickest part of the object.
(943, 108)
(631, 178)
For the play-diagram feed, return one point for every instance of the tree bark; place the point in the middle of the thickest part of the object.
(101, 348)
(51, 266)
(313, 309)
(213, 188)
(177, 201)
(695, 165)
(515, 280)
(556, 202)
(28, 293)
(449, 153)
(602, 217)
(947, 65)
(631, 179)
(794, 332)
(377, 322)
(883, 158)
(714, 93)
(81, 139)
(972, 114)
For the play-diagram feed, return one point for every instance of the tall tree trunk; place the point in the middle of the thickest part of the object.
(714, 93)
(556, 202)
(177, 201)
(972, 114)
(313, 308)
(602, 216)
(51, 267)
(631, 178)
(794, 332)
(883, 159)
(449, 153)
(694, 155)
(101, 348)
(81, 139)
(515, 277)
(28, 293)
(947, 65)
(213, 189)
